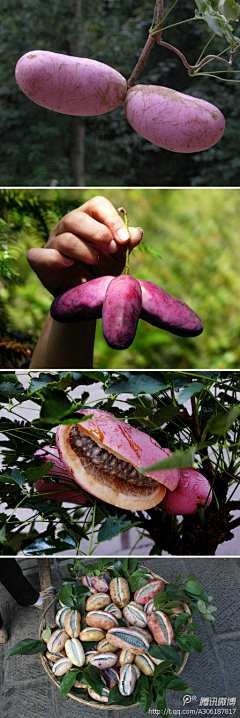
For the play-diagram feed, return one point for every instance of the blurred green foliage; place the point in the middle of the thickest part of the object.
(196, 232)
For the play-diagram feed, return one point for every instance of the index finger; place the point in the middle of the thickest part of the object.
(101, 209)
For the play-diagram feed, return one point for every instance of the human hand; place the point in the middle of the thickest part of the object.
(88, 242)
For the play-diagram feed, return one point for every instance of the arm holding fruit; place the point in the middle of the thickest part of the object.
(88, 243)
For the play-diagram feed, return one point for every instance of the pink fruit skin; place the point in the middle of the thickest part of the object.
(111, 676)
(100, 585)
(81, 303)
(121, 310)
(157, 631)
(151, 594)
(166, 312)
(70, 85)
(169, 119)
(193, 489)
(59, 491)
(137, 447)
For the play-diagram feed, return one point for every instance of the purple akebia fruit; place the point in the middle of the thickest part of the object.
(166, 312)
(81, 303)
(172, 120)
(120, 301)
(121, 310)
(70, 85)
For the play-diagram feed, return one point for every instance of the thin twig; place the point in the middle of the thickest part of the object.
(193, 68)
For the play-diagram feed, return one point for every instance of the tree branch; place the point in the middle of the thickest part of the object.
(148, 45)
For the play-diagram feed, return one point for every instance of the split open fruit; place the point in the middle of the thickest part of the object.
(103, 454)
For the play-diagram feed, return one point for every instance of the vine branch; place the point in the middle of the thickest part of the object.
(155, 35)
(138, 69)
(193, 68)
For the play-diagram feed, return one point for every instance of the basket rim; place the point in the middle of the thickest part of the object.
(81, 699)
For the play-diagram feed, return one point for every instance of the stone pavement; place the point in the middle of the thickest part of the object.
(27, 692)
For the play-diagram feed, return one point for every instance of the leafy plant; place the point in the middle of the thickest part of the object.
(208, 435)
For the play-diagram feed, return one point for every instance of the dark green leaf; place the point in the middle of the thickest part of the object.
(166, 414)
(28, 646)
(3, 534)
(177, 460)
(167, 652)
(221, 422)
(145, 699)
(136, 384)
(194, 388)
(38, 382)
(113, 527)
(193, 588)
(67, 681)
(48, 545)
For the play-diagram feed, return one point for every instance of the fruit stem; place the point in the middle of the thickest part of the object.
(125, 218)
(148, 45)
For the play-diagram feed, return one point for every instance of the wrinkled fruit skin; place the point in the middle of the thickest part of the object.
(70, 85)
(128, 444)
(121, 310)
(81, 303)
(59, 491)
(172, 120)
(166, 312)
(193, 489)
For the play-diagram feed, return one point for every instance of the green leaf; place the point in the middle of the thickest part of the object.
(201, 606)
(46, 634)
(177, 684)
(93, 677)
(177, 460)
(130, 565)
(136, 384)
(27, 646)
(14, 477)
(229, 8)
(137, 580)
(48, 545)
(67, 681)
(221, 422)
(167, 652)
(193, 588)
(55, 407)
(194, 388)
(41, 381)
(162, 705)
(113, 527)
(3, 534)
(160, 598)
(166, 414)
(145, 698)
(161, 668)
(189, 643)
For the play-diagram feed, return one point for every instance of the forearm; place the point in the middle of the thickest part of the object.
(64, 346)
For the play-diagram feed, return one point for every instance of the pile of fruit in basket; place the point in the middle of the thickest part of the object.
(121, 652)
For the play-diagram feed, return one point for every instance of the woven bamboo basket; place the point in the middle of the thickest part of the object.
(96, 704)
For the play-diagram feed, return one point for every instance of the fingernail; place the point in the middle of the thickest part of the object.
(68, 261)
(112, 247)
(123, 235)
